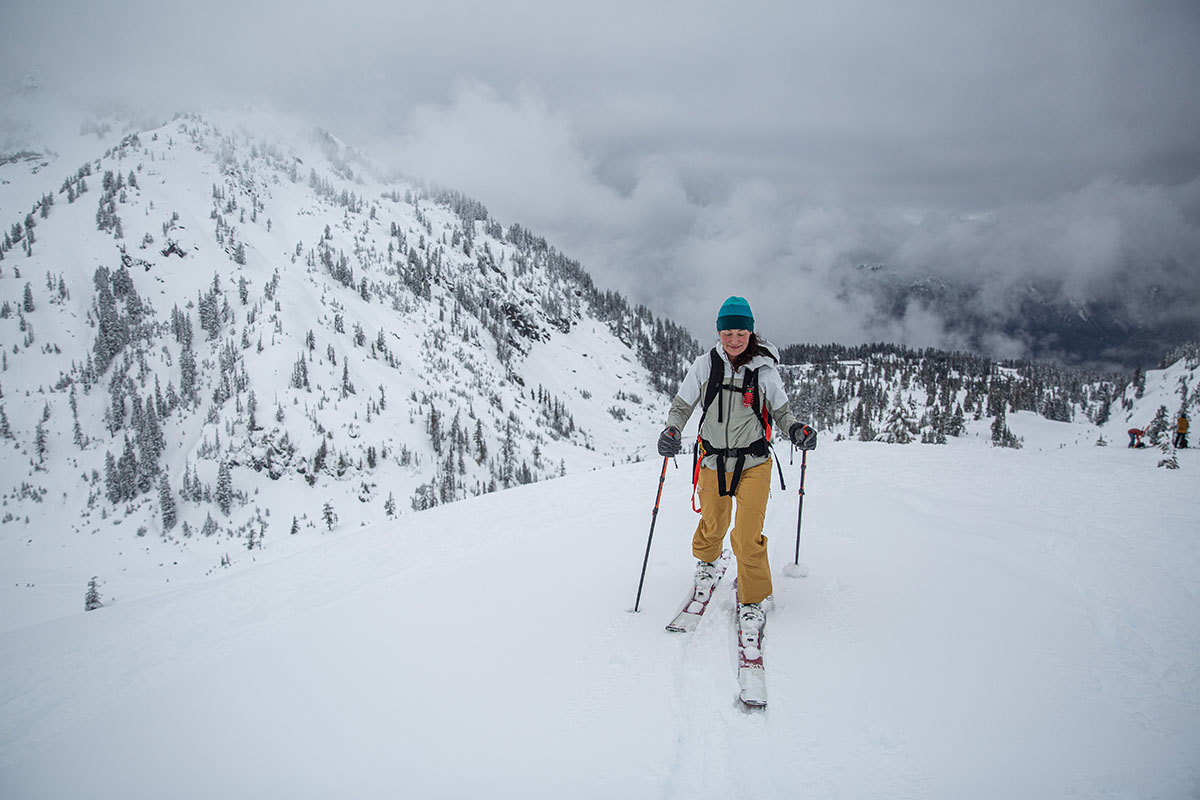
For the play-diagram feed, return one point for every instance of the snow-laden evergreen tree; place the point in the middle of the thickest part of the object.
(958, 423)
(901, 426)
(40, 443)
(480, 443)
(866, 432)
(127, 471)
(166, 504)
(1001, 435)
(91, 599)
(181, 327)
(446, 481)
(1159, 426)
(508, 451)
(111, 332)
(5, 428)
(79, 439)
(112, 483)
(1057, 408)
(434, 427)
(320, 456)
(936, 432)
(1170, 458)
(224, 493)
(424, 497)
(300, 373)
(1104, 405)
(187, 377)
(208, 308)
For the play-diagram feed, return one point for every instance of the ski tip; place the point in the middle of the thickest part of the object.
(683, 623)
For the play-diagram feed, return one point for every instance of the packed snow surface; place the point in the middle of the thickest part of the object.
(976, 623)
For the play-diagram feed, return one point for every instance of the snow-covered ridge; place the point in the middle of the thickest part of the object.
(205, 318)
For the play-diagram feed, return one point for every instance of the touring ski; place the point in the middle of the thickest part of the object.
(693, 608)
(752, 674)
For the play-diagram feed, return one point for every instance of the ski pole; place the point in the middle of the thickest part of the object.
(800, 510)
(653, 519)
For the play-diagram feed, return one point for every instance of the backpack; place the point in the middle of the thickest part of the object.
(751, 397)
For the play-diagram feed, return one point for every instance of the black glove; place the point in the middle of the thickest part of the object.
(802, 436)
(670, 442)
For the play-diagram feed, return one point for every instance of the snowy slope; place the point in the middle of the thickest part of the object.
(977, 623)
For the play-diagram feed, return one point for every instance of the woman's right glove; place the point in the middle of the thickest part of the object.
(802, 436)
(670, 442)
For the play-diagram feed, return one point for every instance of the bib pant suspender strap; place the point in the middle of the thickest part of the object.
(759, 448)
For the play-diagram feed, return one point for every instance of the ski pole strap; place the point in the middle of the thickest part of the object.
(778, 466)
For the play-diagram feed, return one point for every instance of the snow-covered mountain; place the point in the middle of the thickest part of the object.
(218, 313)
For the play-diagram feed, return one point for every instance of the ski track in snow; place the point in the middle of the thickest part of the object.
(711, 736)
(727, 750)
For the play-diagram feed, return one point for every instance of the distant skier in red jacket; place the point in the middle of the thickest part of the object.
(1135, 437)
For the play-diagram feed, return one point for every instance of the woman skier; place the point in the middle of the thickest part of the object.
(734, 459)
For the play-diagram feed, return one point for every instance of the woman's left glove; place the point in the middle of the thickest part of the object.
(802, 436)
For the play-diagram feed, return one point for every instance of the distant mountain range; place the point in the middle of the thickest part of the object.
(1097, 333)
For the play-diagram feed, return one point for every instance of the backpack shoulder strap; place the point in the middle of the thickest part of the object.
(764, 416)
(716, 376)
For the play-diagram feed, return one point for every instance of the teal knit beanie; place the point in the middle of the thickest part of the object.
(735, 315)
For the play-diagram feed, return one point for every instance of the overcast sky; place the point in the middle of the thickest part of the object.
(685, 151)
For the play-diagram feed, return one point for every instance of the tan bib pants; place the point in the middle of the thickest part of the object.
(746, 538)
